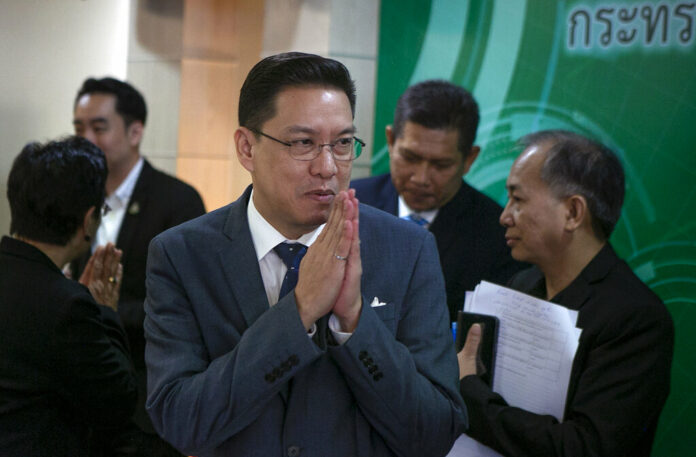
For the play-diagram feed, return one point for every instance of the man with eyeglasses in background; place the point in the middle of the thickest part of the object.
(286, 324)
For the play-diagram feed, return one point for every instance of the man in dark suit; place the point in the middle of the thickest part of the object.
(144, 201)
(64, 366)
(565, 197)
(431, 146)
(355, 360)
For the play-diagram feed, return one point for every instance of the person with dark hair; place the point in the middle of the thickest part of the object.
(143, 200)
(565, 196)
(431, 146)
(282, 325)
(65, 370)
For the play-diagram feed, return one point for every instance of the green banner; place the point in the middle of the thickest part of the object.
(622, 72)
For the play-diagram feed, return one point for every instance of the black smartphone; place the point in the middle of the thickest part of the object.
(489, 340)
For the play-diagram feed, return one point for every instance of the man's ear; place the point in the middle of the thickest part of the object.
(135, 133)
(90, 224)
(470, 158)
(389, 132)
(244, 141)
(577, 212)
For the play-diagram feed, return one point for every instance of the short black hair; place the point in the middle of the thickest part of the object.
(291, 69)
(439, 104)
(130, 104)
(577, 165)
(51, 186)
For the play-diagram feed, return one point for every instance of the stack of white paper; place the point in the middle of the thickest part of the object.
(537, 341)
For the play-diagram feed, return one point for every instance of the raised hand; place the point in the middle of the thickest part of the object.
(322, 271)
(102, 275)
(349, 301)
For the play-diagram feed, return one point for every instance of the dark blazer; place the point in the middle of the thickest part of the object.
(159, 201)
(620, 376)
(229, 375)
(64, 364)
(470, 240)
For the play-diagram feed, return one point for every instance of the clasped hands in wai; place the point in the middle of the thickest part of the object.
(330, 272)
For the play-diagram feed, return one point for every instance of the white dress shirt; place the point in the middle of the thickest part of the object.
(405, 211)
(117, 201)
(265, 237)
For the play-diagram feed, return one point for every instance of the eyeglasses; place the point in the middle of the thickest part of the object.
(344, 149)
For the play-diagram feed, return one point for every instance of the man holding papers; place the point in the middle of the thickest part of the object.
(565, 196)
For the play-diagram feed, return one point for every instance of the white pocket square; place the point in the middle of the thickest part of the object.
(376, 303)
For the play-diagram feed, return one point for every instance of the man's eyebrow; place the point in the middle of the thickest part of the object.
(95, 120)
(410, 152)
(310, 130)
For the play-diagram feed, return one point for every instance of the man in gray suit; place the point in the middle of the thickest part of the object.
(356, 359)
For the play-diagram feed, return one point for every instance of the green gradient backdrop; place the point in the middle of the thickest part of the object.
(638, 96)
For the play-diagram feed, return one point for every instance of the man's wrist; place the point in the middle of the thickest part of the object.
(335, 327)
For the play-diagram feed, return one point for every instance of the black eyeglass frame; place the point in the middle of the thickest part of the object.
(356, 141)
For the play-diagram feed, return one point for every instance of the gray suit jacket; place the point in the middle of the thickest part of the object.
(229, 375)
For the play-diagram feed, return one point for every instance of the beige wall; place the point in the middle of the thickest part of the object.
(47, 48)
(190, 57)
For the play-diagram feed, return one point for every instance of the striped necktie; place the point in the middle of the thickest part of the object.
(416, 219)
(291, 254)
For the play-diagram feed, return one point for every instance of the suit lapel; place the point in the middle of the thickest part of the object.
(129, 225)
(239, 262)
(448, 217)
(136, 205)
(241, 268)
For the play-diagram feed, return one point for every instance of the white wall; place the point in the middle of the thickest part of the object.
(47, 48)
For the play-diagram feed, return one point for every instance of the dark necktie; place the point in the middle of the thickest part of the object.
(415, 218)
(291, 254)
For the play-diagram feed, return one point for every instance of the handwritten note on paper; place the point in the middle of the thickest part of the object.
(537, 341)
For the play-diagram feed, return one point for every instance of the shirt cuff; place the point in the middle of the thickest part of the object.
(334, 326)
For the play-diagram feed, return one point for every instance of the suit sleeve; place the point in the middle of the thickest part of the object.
(198, 401)
(93, 360)
(407, 386)
(621, 389)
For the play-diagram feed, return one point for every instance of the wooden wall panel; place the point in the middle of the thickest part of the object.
(209, 95)
(222, 40)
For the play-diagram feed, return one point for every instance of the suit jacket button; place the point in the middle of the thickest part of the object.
(269, 377)
(293, 451)
(372, 369)
(362, 355)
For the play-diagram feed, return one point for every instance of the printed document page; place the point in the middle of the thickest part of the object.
(537, 341)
